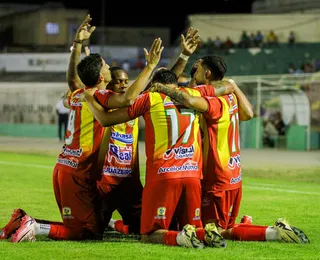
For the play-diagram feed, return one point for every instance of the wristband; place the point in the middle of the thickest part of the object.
(184, 57)
(80, 42)
(231, 81)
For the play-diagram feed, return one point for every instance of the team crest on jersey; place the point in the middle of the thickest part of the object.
(197, 214)
(161, 213)
(122, 155)
(66, 213)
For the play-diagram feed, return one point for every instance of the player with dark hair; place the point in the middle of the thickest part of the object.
(174, 162)
(75, 174)
(222, 182)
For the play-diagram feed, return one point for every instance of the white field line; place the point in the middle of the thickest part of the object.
(256, 186)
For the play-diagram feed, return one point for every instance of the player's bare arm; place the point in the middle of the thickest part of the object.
(189, 44)
(83, 33)
(152, 58)
(245, 107)
(104, 117)
(183, 98)
(65, 99)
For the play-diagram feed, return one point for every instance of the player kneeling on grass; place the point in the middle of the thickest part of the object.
(222, 182)
(174, 166)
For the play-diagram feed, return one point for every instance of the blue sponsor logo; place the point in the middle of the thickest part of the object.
(124, 138)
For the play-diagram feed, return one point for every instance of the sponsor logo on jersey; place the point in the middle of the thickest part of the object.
(71, 152)
(187, 166)
(122, 155)
(234, 162)
(167, 101)
(71, 163)
(116, 171)
(124, 138)
(236, 180)
(179, 153)
(161, 213)
(66, 213)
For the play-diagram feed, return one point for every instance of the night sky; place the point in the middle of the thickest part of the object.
(161, 13)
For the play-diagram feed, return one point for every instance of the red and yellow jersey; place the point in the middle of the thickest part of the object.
(83, 137)
(122, 158)
(172, 137)
(221, 143)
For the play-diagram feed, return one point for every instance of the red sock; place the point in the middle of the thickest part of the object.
(60, 232)
(170, 238)
(249, 232)
(201, 233)
(118, 225)
(125, 229)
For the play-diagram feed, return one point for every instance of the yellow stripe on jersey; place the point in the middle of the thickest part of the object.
(222, 135)
(161, 134)
(87, 128)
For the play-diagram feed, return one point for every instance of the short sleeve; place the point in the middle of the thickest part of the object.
(102, 96)
(206, 90)
(215, 108)
(140, 106)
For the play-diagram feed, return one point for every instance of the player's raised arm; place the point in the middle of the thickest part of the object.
(83, 33)
(182, 97)
(245, 107)
(152, 58)
(189, 44)
(104, 117)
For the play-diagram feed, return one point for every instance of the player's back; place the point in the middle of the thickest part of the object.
(83, 137)
(222, 144)
(172, 136)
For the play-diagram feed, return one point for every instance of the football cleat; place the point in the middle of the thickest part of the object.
(246, 219)
(189, 237)
(290, 234)
(13, 224)
(26, 231)
(213, 237)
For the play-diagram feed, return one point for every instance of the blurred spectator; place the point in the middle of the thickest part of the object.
(269, 133)
(291, 69)
(244, 40)
(217, 43)
(63, 115)
(279, 124)
(252, 40)
(308, 68)
(291, 38)
(272, 39)
(139, 64)
(228, 43)
(259, 39)
(209, 43)
(126, 65)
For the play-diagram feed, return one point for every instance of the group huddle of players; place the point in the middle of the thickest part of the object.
(193, 183)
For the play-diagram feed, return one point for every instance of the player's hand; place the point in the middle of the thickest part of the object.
(153, 56)
(87, 50)
(190, 42)
(85, 30)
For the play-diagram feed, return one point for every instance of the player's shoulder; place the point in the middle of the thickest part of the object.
(104, 92)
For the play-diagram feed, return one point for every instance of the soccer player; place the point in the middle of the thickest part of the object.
(173, 149)
(222, 182)
(75, 175)
(120, 185)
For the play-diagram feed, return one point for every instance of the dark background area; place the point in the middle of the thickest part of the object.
(172, 14)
